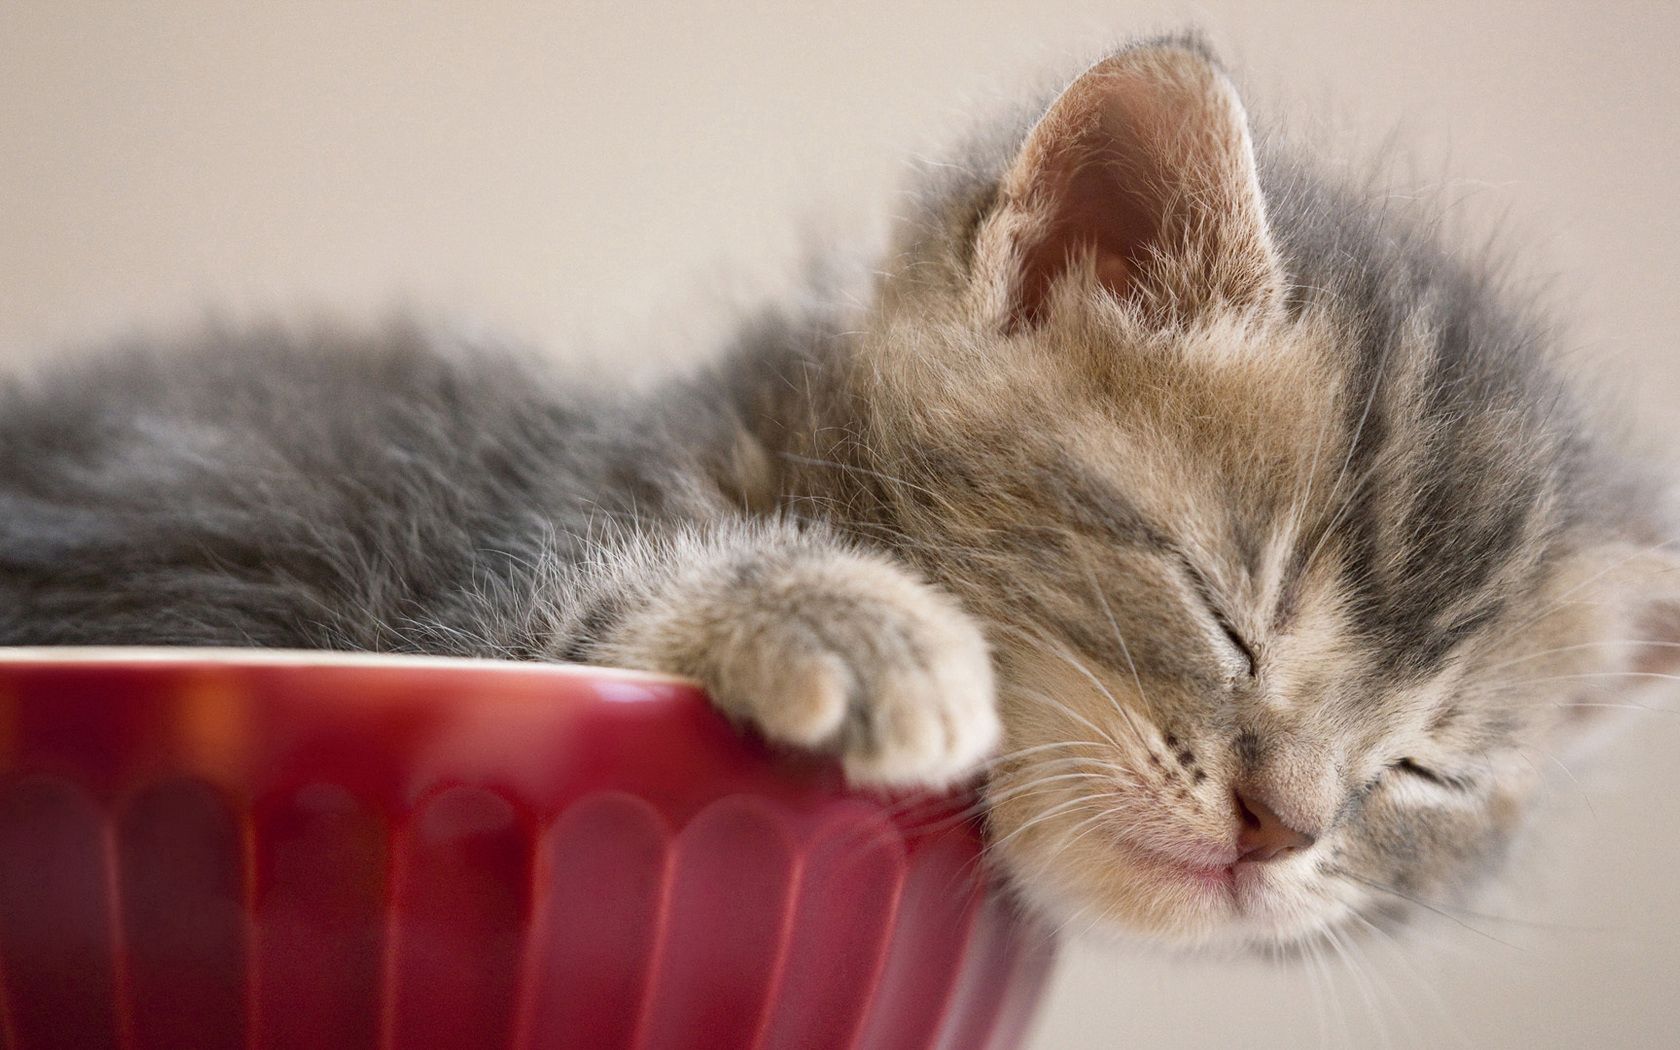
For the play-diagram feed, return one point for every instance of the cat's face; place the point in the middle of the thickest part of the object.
(1291, 608)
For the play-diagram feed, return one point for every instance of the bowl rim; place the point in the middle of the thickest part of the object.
(207, 656)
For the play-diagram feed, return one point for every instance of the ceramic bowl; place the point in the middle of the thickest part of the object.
(234, 849)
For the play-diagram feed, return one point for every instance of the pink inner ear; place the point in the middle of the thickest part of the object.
(1095, 191)
(1143, 167)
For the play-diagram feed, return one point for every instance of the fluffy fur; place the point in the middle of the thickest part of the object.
(1153, 456)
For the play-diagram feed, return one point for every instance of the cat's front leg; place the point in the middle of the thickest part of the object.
(814, 643)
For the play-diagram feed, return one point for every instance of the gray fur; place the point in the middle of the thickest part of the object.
(833, 524)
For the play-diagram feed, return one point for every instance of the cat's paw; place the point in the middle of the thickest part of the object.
(829, 650)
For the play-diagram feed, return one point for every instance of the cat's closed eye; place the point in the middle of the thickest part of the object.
(1411, 767)
(1239, 643)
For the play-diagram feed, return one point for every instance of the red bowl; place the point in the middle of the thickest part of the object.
(203, 849)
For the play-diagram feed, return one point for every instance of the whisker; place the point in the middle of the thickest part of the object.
(1049, 814)
(1125, 650)
(1323, 966)
(1019, 753)
(1361, 982)
(1051, 701)
(1316, 991)
(1584, 675)
(1126, 715)
(1038, 784)
(1442, 912)
(1561, 600)
(1567, 772)
(1653, 643)
(1405, 966)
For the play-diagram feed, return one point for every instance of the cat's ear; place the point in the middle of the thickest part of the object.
(1142, 170)
(1653, 623)
(1635, 594)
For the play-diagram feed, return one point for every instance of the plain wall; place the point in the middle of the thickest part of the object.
(603, 178)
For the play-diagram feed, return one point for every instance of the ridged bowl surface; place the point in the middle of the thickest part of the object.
(217, 850)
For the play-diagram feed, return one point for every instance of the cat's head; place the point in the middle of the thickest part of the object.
(1299, 562)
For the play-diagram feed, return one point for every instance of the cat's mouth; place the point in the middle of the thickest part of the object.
(1212, 874)
(1218, 883)
(1185, 892)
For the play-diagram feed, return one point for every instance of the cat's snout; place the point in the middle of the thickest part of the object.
(1261, 833)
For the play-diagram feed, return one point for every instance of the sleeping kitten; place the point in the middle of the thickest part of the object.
(1253, 535)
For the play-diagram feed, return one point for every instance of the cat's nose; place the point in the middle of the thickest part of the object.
(1261, 833)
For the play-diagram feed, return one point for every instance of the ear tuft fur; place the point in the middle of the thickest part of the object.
(1142, 176)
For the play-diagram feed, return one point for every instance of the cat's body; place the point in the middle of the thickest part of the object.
(1221, 496)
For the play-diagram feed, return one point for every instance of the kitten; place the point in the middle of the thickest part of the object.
(1255, 536)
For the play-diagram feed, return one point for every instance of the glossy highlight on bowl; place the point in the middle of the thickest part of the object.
(234, 849)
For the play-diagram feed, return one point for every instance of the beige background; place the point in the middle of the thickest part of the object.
(602, 176)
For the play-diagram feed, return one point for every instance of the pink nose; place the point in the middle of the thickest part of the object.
(1261, 834)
